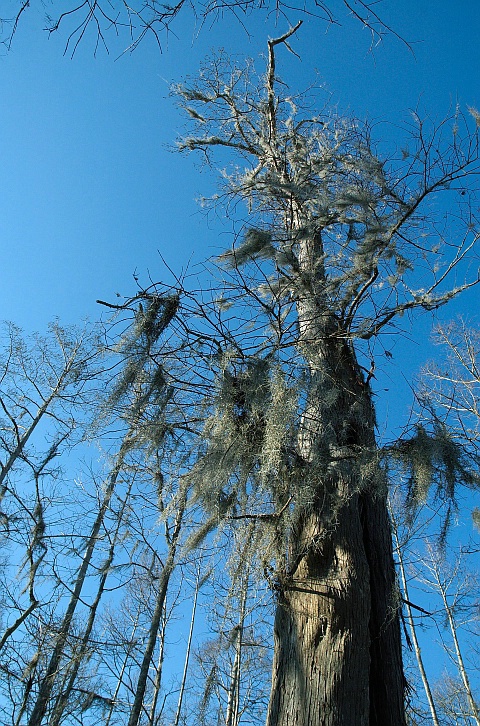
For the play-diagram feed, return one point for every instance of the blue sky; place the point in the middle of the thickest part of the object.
(90, 189)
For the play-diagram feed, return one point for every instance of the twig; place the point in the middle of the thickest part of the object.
(275, 515)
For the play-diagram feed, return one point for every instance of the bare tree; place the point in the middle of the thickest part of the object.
(103, 20)
(138, 399)
(67, 549)
(48, 681)
(404, 532)
(250, 405)
(42, 378)
(47, 386)
(198, 583)
(233, 665)
(161, 594)
(451, 386)
(456, 588)
(453, 702)
(83, 639)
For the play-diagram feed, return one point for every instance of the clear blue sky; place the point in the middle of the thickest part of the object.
(90, 190)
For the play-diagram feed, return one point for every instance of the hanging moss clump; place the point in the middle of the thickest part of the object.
(433, 459)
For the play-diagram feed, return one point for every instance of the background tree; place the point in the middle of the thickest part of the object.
(42, 378)
(233, 665)
(140, 19)
(456, 588)
(438, 573)
(451, 386)
(73, 562)
(438, 569)
(48, 384)
(404, 531)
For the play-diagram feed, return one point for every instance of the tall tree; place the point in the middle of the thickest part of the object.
(455, 589)
(336, 248)
(47, 388)
(257, 406)
(47, 384)
(401, 544)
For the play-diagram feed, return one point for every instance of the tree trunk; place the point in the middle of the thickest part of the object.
(233, 703)
(462, 670)
(162, 588)
(387, 682)
(48, 680)
(337, 650)
(321, 657)
(187, 653)
(338, 659)
(63, 697)
(411, 622)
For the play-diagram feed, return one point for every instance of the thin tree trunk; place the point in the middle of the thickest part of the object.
(411, 623)
(62, 699)
(458, 652)
(187, 654)
(29, 681)
(233, 703)
(120, 677)
(159, 670)
(163, 583)
(48, 680)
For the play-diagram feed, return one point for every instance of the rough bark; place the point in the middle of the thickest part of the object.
(337, 658)
(321, 659)
(387, 682)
